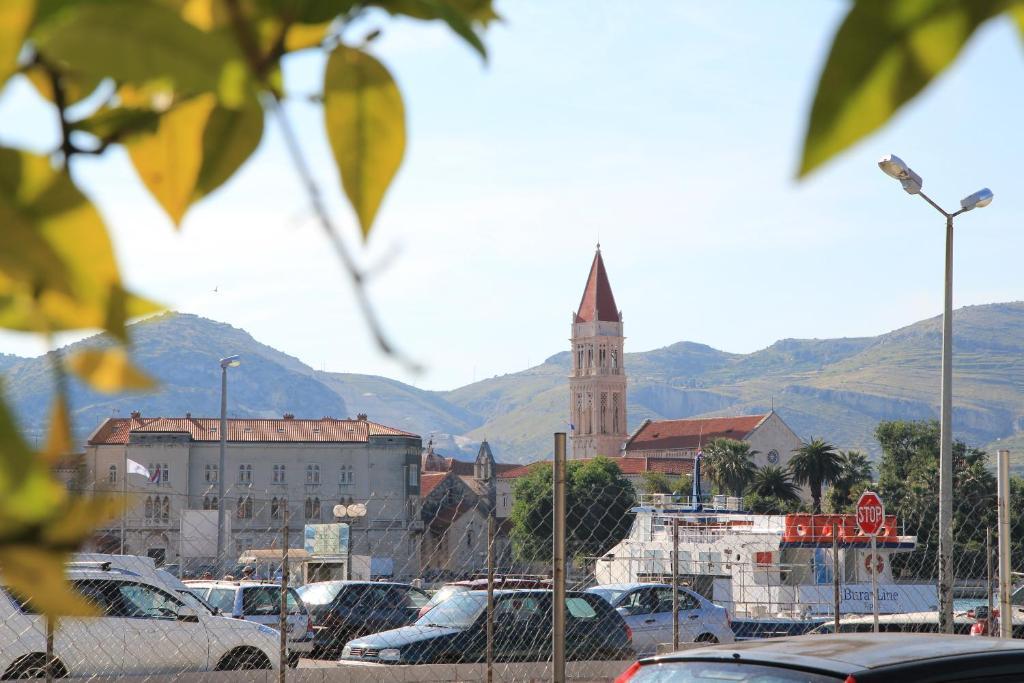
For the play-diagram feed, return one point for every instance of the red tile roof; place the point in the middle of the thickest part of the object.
(598, 302)
(630, 466)
(430, 481)
(691, 433)
(115, 430)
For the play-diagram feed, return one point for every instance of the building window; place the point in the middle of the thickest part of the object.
(209, 502)
(245, 506)
(579, 357)
(615, 414)
(159, 473)
(414, 475)
(312, 474)
(112, 474)
(212, 473)
(158, 508)
(277, 507)
(280, 472)
(149, 507)
(615, 359)
(345, 475)
(504, 500)
(604, 413)
(165, 510)
(312, 509)
(245, 474)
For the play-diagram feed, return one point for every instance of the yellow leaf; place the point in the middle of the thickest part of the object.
(230, 137)
(81, 517)
(365, 122)
(58, 440)
(57, 266)
(168, 161)
(15, 19)
(883, 55)
(37, 575)
(76, 86)
(109, 370)
(304, 36)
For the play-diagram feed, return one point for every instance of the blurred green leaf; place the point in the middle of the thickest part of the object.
(114, 123)
(58, 439)
(134, 41)
(365, 122)
(15, 20)
(229, 139)
(76, 85)
(882, 56)
(57, 266)
(460, 15)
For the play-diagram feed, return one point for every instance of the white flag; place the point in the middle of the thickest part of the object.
(136, 468)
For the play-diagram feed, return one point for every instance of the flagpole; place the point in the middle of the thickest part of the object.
(124, 499)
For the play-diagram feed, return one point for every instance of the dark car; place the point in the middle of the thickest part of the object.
(500, 582)
(342, 610)
(456, 631)
(848, 657)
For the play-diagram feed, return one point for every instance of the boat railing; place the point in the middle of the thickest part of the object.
(710, 503)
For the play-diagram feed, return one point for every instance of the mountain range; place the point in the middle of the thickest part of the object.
(837, 389)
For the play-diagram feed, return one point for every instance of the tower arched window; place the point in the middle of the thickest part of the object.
(603, 416)
(112, 474)
(149, 507)
(165, 510)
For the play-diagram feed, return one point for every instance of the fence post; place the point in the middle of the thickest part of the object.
(282, 673)
(1005, 583)
(558, 563)
(675, 584)
(490, 597)
(835, 573)
(49, 649)
(989, 631)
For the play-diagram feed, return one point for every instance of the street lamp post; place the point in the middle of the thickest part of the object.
(354, 511)
(894, 167)
(225, 363)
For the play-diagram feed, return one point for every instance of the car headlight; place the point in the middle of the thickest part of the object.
(390, 654)
(346, 651)
(266, 630)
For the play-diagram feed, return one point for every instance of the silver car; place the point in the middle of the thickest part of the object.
(647, 609)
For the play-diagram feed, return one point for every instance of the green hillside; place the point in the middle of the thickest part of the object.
(838, 389)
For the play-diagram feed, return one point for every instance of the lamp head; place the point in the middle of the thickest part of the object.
(231, 362)
(894, 167)
(978, 200)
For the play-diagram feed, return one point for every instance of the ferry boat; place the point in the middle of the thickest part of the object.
(774, 573)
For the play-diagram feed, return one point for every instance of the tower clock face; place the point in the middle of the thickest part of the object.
(773, 456)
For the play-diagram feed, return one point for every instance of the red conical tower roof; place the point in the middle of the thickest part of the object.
(598, 302)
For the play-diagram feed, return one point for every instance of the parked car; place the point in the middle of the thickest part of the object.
(500, 582)
(849, 657)
(342, 610)
(456, 631)
(647, 608)
(143, 628)
(261, 603)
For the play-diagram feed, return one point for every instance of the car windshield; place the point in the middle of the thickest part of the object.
(319, 593)
(446, 592)
(610, 595)
(712, 672)
(460, 611)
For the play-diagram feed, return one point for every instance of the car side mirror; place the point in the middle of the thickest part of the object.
(188, 614)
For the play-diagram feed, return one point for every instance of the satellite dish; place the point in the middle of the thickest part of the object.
(340, 510)
(356, 510)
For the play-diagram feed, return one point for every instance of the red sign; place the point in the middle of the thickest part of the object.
(870, 513)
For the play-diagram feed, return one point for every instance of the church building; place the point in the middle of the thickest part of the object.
(597, 385)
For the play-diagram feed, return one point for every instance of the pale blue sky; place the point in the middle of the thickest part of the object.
(670, 131)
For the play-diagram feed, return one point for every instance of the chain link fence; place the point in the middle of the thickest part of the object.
(376, 585)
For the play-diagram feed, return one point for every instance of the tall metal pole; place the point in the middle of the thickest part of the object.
(946, 447)
(675, 585)
(836, 569)
(874, 580)
(124, 499)
(284, 598)
(220, 467)
(558, 563)
(1005, 584)
(988, 582)
(49, 648)
(490, 597)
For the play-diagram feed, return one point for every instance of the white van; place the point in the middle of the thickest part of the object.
(143, 628)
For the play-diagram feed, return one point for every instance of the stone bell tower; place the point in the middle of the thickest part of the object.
(597, 385)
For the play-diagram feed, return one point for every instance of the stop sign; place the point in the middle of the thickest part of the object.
(870, 513)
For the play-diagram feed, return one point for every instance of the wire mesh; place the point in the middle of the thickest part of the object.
(405, 584)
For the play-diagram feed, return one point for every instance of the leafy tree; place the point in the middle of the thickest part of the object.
(815, 464)
(909, 485)
(184, 88)
(771, 505)
(774, 482)
(854, 476)
(730, 464)
(598, 500)
(659, 482)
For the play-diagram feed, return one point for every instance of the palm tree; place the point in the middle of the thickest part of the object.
(815, 464)
(774, 482)
(730, 464)
(854, 470)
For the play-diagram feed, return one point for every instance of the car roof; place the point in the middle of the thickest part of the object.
(631, 586)
(359, 583)
(849, 651)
